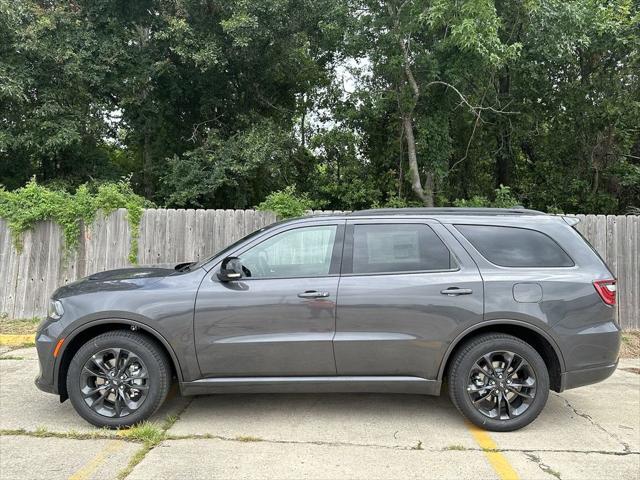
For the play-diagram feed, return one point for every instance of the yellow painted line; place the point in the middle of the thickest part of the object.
(14, 340)
(92, 465)
(497, 460)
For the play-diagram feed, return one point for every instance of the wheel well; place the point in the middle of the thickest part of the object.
(533, 338)
(91, 332)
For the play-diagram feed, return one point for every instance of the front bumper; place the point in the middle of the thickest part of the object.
(587, 376)
(45, 344)
(43, 385)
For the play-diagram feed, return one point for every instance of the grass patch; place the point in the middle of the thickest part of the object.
(147, 432)
(42, 432)
(455, 448)
(11, 357)
(18, 326)
(418, 446)
(169, 421)
(248, 438)
(630, 347)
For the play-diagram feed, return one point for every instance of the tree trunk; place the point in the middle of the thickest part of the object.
(303, 133)
(504, 155)
(425, 195)
(147, 168)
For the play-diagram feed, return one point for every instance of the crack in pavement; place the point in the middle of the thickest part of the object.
(147, 446)
(312, 442)
(625, 445)
(543, 466)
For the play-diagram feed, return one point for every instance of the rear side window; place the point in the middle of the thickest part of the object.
(515, 247)
(390, 248)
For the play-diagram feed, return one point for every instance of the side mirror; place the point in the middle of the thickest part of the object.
(231, 269)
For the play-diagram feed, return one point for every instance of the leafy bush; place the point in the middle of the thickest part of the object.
(24, 207)
(475, 201)
(503, 199)
(394, 201)
(286, 203)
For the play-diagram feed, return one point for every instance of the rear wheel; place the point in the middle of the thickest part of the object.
(498, 382)
(118, 379)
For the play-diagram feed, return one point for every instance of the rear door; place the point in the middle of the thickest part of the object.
(406, 286)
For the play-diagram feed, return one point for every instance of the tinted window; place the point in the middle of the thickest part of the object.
(398, 248)
(300, 252)
(515, 247)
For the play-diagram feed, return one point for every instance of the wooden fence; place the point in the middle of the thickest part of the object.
(172, 236)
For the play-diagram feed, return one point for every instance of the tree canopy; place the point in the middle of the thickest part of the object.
(346, 103)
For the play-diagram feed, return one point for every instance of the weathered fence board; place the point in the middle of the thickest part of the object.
(171, 236)
(166, 236)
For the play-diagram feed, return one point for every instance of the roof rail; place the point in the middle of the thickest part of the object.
(446, 211)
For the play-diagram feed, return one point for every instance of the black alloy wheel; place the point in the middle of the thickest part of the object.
(118, 379)
(498, 381)
(114, 382)
(502, 385)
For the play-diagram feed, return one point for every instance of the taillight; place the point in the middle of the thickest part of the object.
(607, 290)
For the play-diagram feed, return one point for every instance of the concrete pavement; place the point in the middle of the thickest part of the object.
(592, 432)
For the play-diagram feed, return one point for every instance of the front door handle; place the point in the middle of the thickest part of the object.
(313, 294)
(453, 291)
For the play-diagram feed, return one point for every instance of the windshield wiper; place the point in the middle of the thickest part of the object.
(184, 267)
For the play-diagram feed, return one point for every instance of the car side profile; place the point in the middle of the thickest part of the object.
(501, 305)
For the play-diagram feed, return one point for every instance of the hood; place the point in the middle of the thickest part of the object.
(130, 273)
(110, 280)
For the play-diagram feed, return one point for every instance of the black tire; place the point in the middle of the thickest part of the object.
(158, 373)
(463, 366)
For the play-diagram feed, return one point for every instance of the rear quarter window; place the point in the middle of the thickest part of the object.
(515, 247)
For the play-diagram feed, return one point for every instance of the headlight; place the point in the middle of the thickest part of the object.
(55, 309)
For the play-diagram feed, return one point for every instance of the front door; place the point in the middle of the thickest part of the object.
(279, 318)
(403, 294)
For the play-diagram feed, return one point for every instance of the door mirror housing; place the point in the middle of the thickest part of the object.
(230, 269)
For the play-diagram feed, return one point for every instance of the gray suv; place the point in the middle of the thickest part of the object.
(500, 304)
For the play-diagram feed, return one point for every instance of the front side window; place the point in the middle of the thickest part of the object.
(390, 248)
(301, 252)
(515, 247)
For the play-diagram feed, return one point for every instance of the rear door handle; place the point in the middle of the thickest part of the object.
(313, 294)
(453, 291)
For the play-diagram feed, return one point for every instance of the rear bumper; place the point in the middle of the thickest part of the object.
(587, 376)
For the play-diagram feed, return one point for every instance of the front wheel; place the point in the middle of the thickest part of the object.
(498, 382)
(118, 379)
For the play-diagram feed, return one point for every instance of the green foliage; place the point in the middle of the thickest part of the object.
(340, 180)
(239, 170)
(25, 206)
(217, 104)
(394, 201)
(503, 198)
(286, 203)
(475, 201)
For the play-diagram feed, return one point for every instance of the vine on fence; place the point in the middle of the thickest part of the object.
(24, 207)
